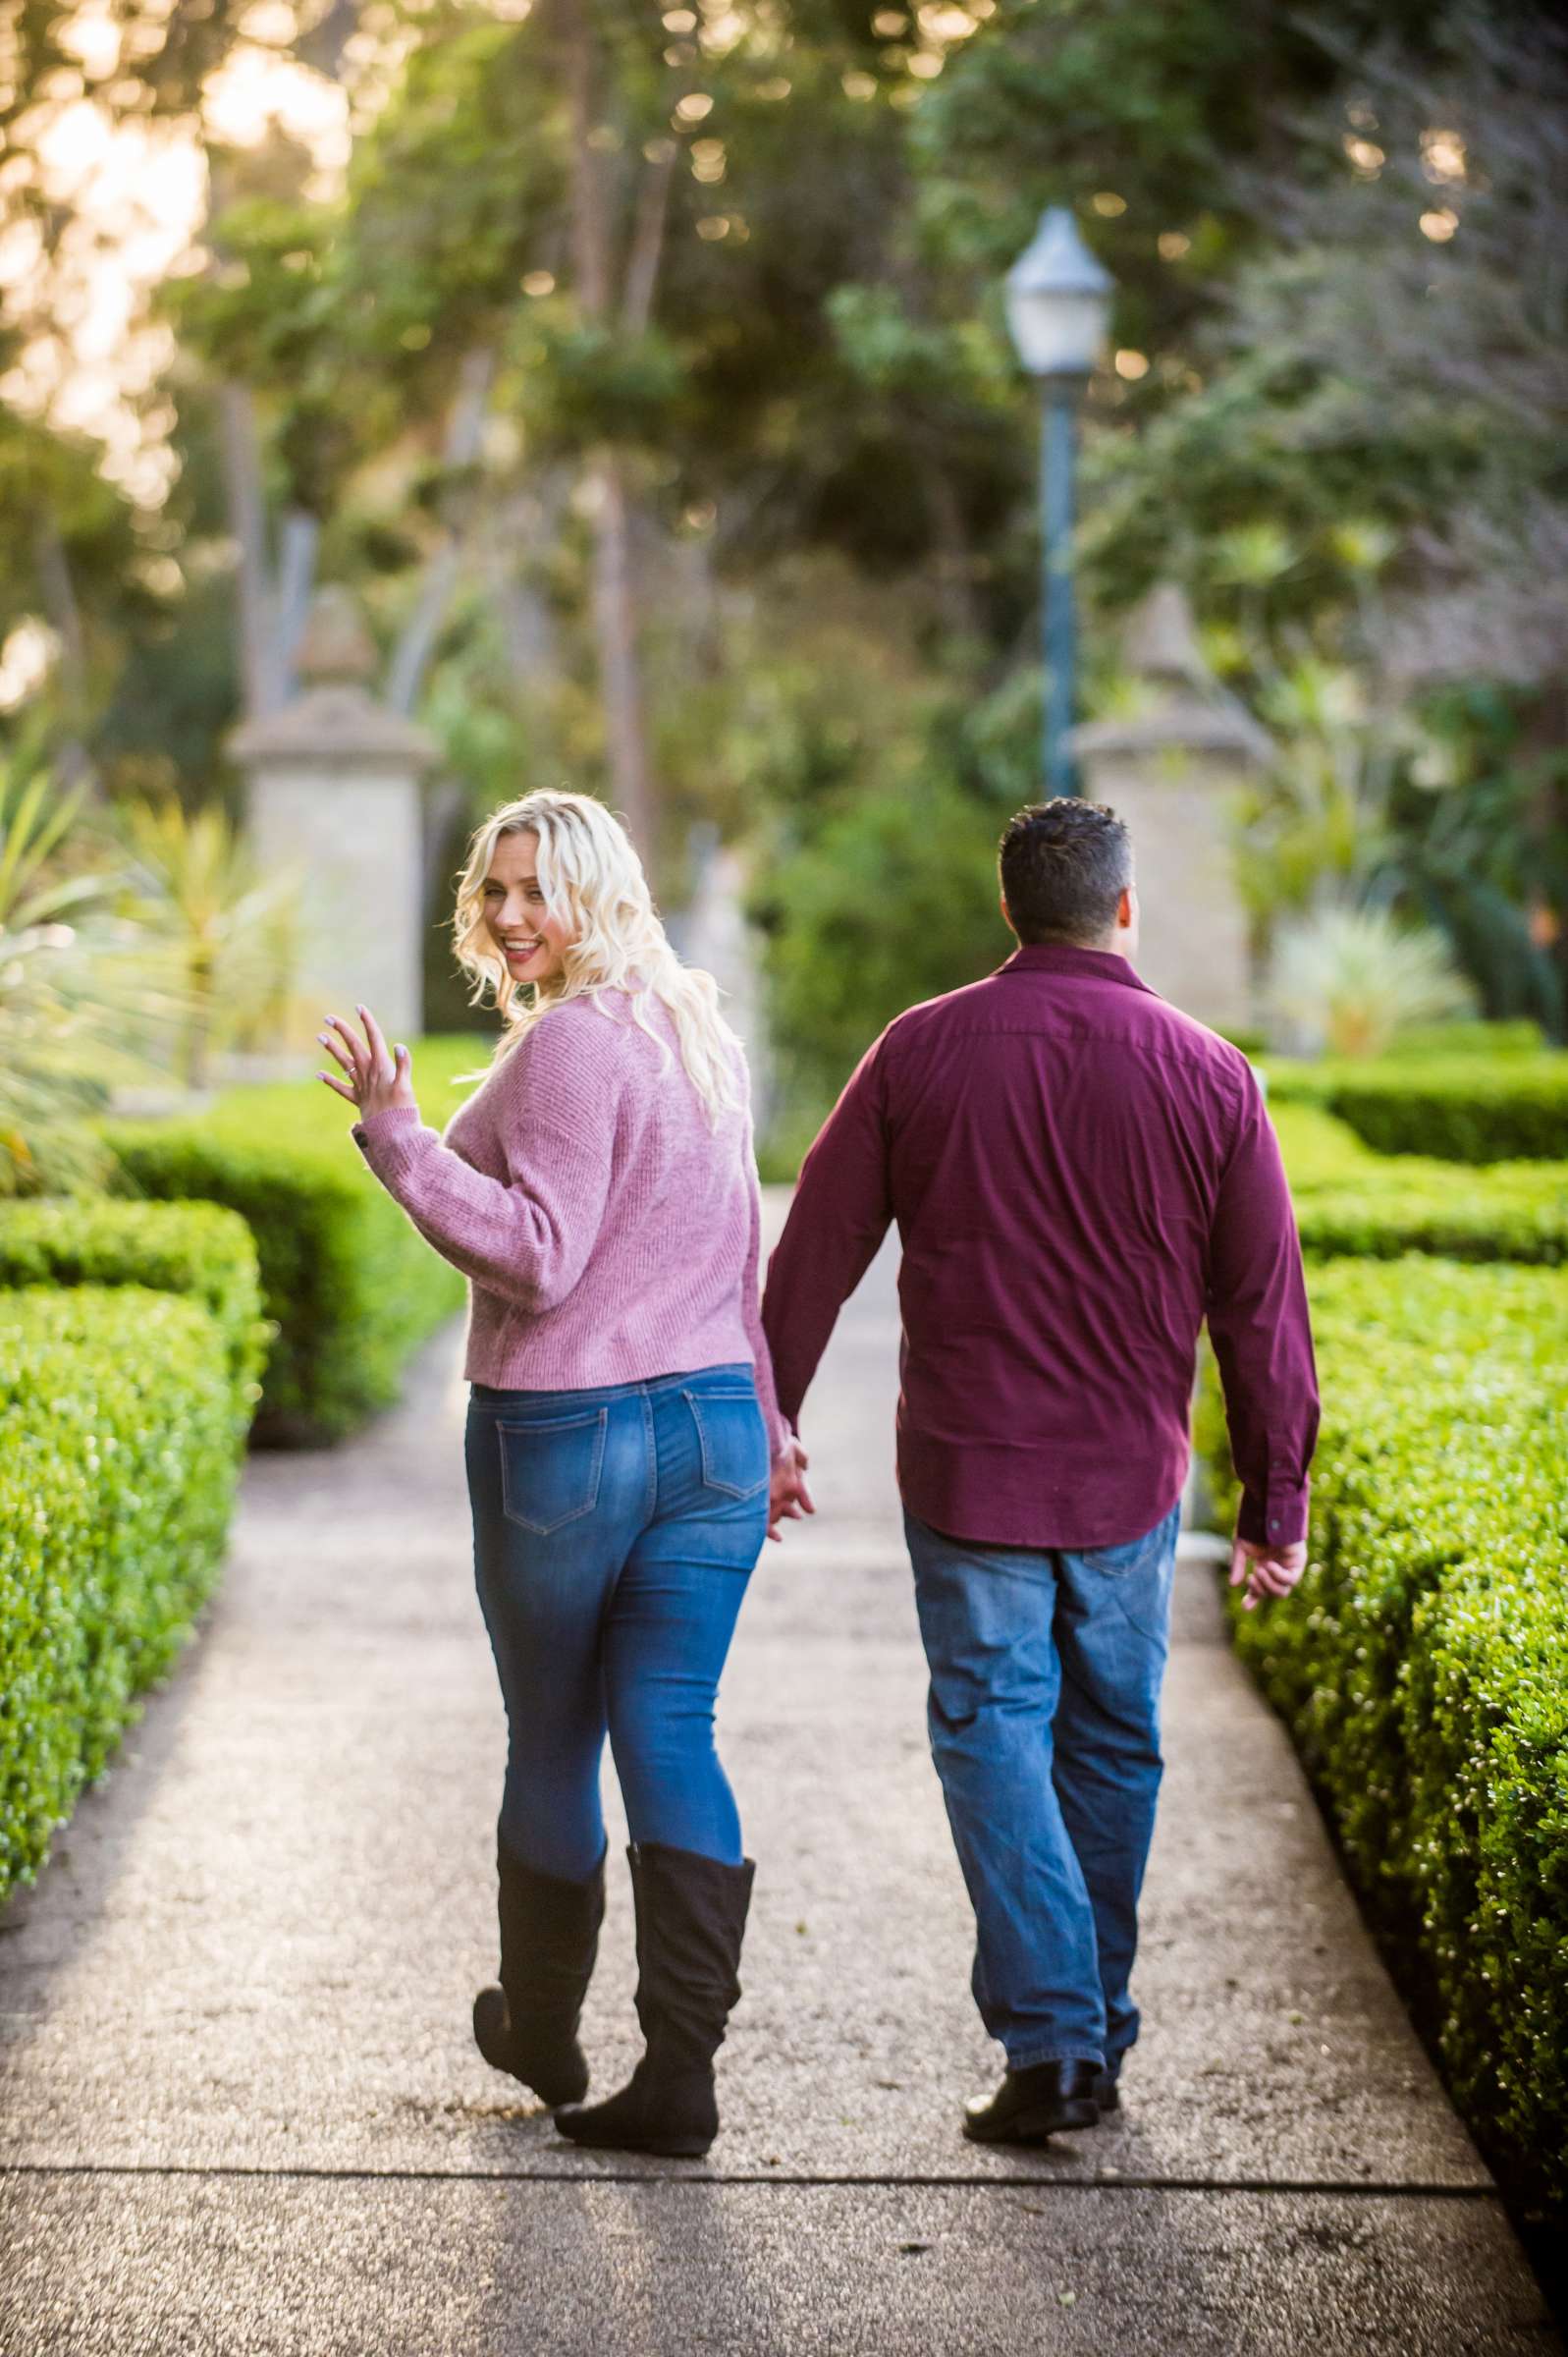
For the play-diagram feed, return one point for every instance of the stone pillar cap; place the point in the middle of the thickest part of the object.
(337, 721)
(1193, 712)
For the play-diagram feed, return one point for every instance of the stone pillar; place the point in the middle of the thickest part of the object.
(1173, 770)
(332, 797)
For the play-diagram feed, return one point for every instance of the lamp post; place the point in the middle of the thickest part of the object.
(1058, 299)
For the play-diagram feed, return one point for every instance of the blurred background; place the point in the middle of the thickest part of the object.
(402, 405)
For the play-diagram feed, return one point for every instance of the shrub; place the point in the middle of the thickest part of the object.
(1514, 1109)
(119, 1450)
(349, 1282)
(1514, 1211)
(1422, 1663)
(1452, 1109)
(350, 1285)
(1351, 979)
(1444, 1041)
(199, 1250)
(1351, 1201)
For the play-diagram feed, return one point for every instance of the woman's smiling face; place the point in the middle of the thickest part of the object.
(531, 943)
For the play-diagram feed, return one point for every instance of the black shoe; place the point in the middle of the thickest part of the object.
(527, 2027)
(1031, 2105)
(691, 1918)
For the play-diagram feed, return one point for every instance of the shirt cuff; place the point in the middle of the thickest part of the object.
(1278, 1518)
(391, 1139)
(780, 1435)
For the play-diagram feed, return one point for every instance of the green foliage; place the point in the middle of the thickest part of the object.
(1353, 1203)
(1457, 1108)
(1513, 1211)
(196, 884)
(1352, 979)
(896, 900)
(196, 1249)
(85, 996)
(350, 1285)
(1422, 1662)
(1445, 1041)
(119, 1451)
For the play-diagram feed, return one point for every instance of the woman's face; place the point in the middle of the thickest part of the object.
(530, 942)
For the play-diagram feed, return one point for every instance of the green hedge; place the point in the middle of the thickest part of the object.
(1422, 1663)
(1351, 1202)
(1454, 1109)
(119, 1451)
(349, 1284)
(197, 1249)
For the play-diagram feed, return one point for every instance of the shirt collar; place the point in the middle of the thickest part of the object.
(1064, 958)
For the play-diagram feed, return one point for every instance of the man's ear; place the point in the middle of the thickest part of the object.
(1006, 917)
(1124, 909)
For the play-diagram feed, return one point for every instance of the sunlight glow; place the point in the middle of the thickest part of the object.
(26, 660)
(1443, 157)
(1367, 156)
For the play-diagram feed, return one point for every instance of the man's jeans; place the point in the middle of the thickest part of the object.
(1044, 1714)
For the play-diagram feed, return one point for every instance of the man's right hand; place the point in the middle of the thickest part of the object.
(1268, 1571)
(787, 1494)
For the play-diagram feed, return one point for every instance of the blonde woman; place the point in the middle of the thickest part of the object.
(599, 1191)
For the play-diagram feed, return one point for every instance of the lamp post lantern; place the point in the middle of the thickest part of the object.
(1059, 300)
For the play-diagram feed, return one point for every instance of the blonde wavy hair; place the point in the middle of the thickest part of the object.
(591, 877)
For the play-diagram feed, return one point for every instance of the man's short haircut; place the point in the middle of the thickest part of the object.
(1065, 864)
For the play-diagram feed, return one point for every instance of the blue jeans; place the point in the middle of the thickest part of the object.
(615, 1532)
(1044, 1714)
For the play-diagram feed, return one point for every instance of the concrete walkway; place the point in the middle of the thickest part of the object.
(241, 2113)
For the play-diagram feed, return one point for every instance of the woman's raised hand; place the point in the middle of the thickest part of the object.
(378, 1077)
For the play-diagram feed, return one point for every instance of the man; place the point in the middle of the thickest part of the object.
(1080, 1175)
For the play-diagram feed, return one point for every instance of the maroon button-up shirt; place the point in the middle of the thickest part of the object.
(1079, 1173)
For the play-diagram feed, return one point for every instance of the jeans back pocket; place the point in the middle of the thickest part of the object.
(732, 1439)
(550, 1469)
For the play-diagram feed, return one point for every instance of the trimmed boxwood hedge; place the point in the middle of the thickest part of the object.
(1352, 1202)
(349, 1284)
(199, 1250)
(119, 1444)
(1422, 1663)
(1457, 1108)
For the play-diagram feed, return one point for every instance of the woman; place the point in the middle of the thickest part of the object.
(599, 1191)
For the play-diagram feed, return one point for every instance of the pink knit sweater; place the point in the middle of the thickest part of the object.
(608, 1232)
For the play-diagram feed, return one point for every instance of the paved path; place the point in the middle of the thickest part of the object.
(241, 2112)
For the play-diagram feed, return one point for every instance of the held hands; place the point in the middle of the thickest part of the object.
(378, 1077)
(787, 1494)
(1268, 1571)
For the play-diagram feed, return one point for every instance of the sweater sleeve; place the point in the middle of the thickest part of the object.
(527, 1235)
(778, 1433)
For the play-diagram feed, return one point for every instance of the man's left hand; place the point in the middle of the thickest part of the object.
(1268, 1571)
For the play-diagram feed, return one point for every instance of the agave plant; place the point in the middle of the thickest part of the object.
(1351, 979)
(84, 1001)
(195, 886)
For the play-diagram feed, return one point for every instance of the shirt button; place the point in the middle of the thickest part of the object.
(1274, 1528)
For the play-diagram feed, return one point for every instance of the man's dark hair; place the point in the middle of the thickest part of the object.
(1065, 864)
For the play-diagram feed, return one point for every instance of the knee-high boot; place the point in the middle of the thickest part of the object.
(691, 1919)
(549, 1939)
